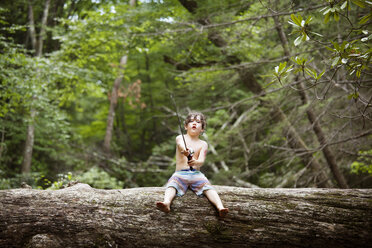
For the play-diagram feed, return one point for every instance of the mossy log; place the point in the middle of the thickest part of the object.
(80, 216)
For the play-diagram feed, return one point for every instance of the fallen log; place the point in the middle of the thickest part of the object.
(80, 216)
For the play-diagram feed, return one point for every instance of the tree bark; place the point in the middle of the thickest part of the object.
(80, 216)
(248, 79)
(113, 103)
(114, 100)
(328, 154)
(31, 21)
(38, 48)
(29, 144)
(30, 133)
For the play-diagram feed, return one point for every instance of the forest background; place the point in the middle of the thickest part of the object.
(285, 85)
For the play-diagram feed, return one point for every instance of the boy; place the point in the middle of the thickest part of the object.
(188, 171)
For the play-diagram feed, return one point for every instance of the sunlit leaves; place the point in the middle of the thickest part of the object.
(350, 55)
(360, 3)
(329, 12)
(303, 66)
(365, 18)
(301, 27)
(363, 164)
(335, 8)
(280, 72)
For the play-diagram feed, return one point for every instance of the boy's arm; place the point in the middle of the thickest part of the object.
(202, 155)
(181, 145)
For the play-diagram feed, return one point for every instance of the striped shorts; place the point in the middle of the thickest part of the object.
(196, 180)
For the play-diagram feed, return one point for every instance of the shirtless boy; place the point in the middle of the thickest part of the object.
(188, 171)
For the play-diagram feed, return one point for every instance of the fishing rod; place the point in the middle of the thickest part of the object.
(191, 151)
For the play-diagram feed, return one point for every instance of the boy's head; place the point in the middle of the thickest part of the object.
(197, 116)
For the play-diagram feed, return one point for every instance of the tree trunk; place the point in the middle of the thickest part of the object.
(29, 144)
(248, 79)
(300, 148)
(37, 46)
(114, 100)
(328, 154)
(30, 133)
(80, 216)
(31, 21)
(113, 103)
(39, 50)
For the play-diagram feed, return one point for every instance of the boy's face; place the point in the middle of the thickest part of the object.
(194, 125)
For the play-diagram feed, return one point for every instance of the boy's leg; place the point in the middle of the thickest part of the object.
(216, 200)
(169, 195)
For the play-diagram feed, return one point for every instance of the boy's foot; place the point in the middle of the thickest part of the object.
(222, 212)
(163, 207)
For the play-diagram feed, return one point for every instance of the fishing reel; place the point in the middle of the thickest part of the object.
(189, 157)
(191, 154)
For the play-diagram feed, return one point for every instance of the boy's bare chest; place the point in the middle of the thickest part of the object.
(196, 147)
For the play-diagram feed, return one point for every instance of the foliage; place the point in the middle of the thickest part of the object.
(100, 179)
(209, 58)
(353, 54)
(363, 163)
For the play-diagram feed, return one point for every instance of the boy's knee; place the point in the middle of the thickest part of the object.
(171, 189)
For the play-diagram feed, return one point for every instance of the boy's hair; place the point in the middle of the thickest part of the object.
(191, 117)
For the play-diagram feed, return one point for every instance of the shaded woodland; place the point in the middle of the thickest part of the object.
(85, 91)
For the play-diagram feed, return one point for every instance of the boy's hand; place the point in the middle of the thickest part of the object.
(185, 152)
(192, 162)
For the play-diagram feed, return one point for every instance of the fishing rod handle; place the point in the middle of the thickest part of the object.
(191, 153)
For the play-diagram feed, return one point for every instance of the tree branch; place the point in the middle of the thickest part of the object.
(80, 216)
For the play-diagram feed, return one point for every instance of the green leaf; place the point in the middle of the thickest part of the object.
(282, 66)
(335, 61)
(310, 72)
(289, 69)
(336, 16)
(309, 19)
(320, 75)
(298, 41)
(364, 39)
(292, 23)
(344, 5)
(295, 20)
(327, 10)
(267, 85)
(336, 45)
(354, 95)
(344, 45)
(359, 3)
(305, 37)
(365, 19)
(358, 73)
(316, 34)
(326, 18)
